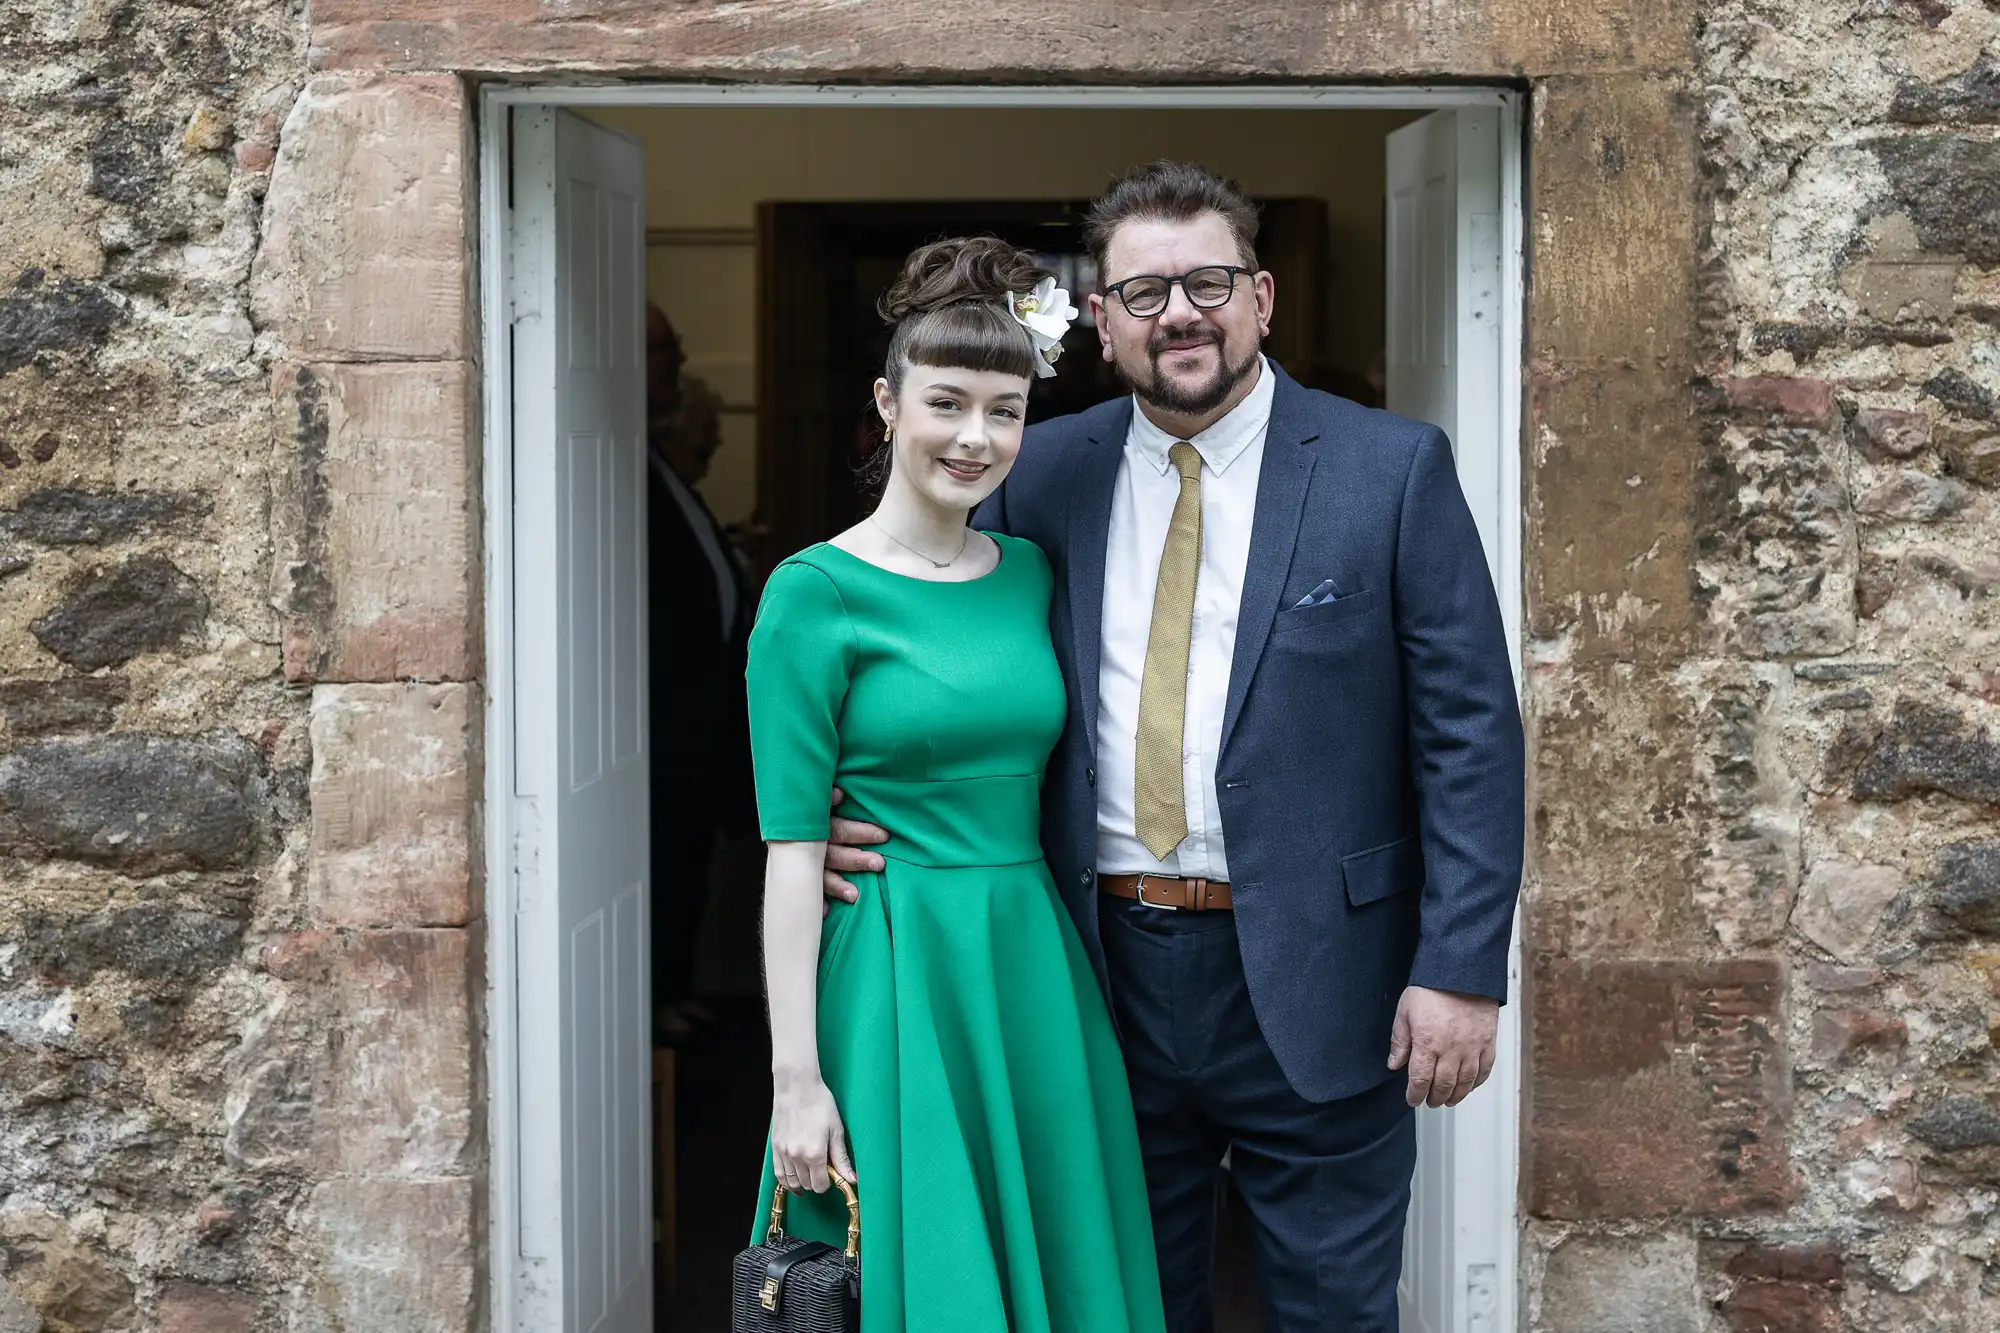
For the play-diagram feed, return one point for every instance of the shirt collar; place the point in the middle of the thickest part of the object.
(1222, 443)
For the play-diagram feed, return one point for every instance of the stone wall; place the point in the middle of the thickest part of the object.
(240, 648)
(1766, 957)
(238, 723)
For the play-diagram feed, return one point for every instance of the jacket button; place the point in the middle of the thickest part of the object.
(1090, 776)
(1086, 878)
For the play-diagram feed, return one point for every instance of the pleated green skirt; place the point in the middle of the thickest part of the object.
(970, 1054)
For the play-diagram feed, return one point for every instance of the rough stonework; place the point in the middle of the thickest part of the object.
(238, 974)
(241, 642)
(1849, 267)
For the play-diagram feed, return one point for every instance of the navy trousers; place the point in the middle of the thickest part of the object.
(1326, 1184)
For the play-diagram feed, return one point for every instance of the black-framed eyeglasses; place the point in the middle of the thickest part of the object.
(1146, 294)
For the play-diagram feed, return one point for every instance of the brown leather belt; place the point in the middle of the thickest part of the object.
(1183, 895)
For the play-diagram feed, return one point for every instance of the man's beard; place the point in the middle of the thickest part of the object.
(1159, 391)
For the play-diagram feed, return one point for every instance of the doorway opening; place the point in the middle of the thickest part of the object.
(630, 1068)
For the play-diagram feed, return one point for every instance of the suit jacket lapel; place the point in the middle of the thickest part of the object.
(1281, 497)
(1089, 523)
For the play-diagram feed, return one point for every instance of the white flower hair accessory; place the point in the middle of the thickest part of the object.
(1046, 314)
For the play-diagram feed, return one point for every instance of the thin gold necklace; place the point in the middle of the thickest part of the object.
(934, 564)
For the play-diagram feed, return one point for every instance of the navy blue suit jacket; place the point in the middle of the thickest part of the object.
(1371, 770)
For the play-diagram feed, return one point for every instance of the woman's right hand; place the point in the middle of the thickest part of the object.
(805, 1134)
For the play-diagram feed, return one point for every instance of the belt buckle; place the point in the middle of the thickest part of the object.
(1157, 907)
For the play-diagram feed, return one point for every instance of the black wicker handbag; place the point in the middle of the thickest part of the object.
(788, 1285)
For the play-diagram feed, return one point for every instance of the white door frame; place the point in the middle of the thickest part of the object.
(513, 1273)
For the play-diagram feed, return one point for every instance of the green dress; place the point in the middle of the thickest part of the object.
(961, 1032)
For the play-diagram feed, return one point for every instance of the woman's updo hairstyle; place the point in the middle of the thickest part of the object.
(949, 308)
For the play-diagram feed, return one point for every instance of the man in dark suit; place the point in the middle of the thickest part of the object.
(699, 634)
(1287, 810)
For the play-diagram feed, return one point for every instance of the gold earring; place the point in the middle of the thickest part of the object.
(888, 434)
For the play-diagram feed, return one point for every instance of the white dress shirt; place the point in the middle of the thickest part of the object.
(1232, 458)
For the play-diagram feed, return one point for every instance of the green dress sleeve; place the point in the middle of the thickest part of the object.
(802, 650)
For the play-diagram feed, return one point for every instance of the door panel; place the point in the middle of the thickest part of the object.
(1422, 202)
(1444, 285)
(580, 488)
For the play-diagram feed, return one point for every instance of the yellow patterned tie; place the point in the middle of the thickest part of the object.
(1160, 804)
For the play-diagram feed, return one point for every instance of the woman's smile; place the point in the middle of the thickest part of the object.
(964, 469)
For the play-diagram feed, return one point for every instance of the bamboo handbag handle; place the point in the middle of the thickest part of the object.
(846, 1188)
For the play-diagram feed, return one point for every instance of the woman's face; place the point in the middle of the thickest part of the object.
(957, 431)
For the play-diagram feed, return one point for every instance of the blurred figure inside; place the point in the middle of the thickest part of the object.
(700, 618)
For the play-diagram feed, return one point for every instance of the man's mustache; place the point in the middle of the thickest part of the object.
(1188, 340)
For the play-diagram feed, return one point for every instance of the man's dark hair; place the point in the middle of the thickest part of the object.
(1170, 192)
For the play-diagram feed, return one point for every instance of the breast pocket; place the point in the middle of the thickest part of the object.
(1301, 619)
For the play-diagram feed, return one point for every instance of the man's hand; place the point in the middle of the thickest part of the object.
(845, 855)
(1446, 1040)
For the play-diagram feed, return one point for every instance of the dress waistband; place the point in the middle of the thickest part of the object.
(951, 823)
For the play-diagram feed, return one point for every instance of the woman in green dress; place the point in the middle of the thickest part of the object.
(942, 1038)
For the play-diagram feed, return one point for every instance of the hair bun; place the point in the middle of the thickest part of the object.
(962, 268)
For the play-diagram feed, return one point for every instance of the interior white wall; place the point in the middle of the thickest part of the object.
(707, 168)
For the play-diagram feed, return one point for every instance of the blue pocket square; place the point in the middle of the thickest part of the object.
(1319, 596)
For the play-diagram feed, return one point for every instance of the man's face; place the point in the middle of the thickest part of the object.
(1185, 359)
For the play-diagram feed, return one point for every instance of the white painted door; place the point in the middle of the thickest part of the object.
(1446, 366)
(576, 295)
